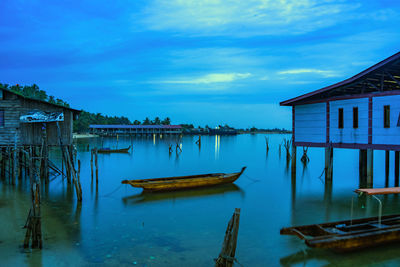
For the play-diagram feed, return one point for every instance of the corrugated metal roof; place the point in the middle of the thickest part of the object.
(342, 83)
(125, 126)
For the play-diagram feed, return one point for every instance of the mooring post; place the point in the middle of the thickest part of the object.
(96, 165)
(370, 168)
(396, 168)
(294, 154)
(33, 223)
(387, 160)
(91, 163)
(227, 256)
(328, 163)
(14, 171)
(362, 168)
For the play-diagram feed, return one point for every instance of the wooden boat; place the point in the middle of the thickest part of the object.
(352, 234)
(148, 197)
(349, 235)
(184, 182)
(109, 150)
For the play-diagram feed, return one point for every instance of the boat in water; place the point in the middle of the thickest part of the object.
(184, 182)
(349, 235)
(109, 150)
(352, 234)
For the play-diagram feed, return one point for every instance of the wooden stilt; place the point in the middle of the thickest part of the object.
(396, 168)
(294, 155)
(387, 160)
(91, 163)
(97, 166)
(227, 256)
(370, 167)
(328, 164)
(34, 224)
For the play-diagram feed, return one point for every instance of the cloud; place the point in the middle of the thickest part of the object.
(211, 78)
(251, 17)
(324, 73)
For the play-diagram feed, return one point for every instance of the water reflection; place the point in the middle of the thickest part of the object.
(183, 194)
(217, 144)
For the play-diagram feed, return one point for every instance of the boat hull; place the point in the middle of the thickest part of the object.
(183, 182)
(107, 151)
(349, 235)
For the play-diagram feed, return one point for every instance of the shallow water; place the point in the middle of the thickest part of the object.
(120, 225)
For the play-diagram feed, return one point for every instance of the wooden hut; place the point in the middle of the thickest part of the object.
(27, 128)
(26, 132)
(362, 112)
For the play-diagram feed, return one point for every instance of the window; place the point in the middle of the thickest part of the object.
(355, 117)
(340, 120)
(386, 116)
(1, 118)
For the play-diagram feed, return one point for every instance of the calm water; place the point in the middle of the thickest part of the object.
(119, 225)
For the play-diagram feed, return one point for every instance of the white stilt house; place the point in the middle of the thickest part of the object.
(362, 112)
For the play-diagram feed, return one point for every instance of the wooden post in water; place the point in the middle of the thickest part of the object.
(370, 168)
(33, 223)
(328, 163)
(267, 144)
(227, 256)
(396, 168)
(97, 166)
(91, 163)
(387, 164)
(20, 163)
(294, 155)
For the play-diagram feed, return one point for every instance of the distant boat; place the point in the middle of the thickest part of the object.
(109, 150)
(184, 182)
(349, 235)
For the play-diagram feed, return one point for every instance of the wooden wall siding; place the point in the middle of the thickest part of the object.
(11, 121)
(310, 123)
(32, 132)
(381, 135)
(349, 134)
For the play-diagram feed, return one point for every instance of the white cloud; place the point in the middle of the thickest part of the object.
(211, 78)
(250, 17)
(324, 73)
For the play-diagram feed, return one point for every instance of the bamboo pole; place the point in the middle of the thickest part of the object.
(91, 163)
(227, 256)
(96, 165)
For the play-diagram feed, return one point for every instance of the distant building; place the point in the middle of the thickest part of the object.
(362, 112)
(135, 129)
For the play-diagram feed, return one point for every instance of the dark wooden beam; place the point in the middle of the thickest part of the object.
(393, 78)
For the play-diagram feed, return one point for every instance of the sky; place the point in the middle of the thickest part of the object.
(206, 62)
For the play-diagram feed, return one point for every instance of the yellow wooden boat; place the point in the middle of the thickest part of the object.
(184, 182)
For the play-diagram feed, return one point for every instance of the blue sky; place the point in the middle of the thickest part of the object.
(207, 62)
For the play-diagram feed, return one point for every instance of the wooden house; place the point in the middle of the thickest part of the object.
(14, 107)
(362, 112)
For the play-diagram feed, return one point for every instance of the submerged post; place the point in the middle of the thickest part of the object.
(328, 163)
(294, 154)
(97, 166)
(387, 164)
(396, 168)
(370, 167)
(227, 256)
(33, 223)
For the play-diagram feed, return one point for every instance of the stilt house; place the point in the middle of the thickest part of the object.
(23, 121)
(362, 112)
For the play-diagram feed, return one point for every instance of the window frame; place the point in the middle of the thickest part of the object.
(340, 118)
(355, 117)
(386, 116)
